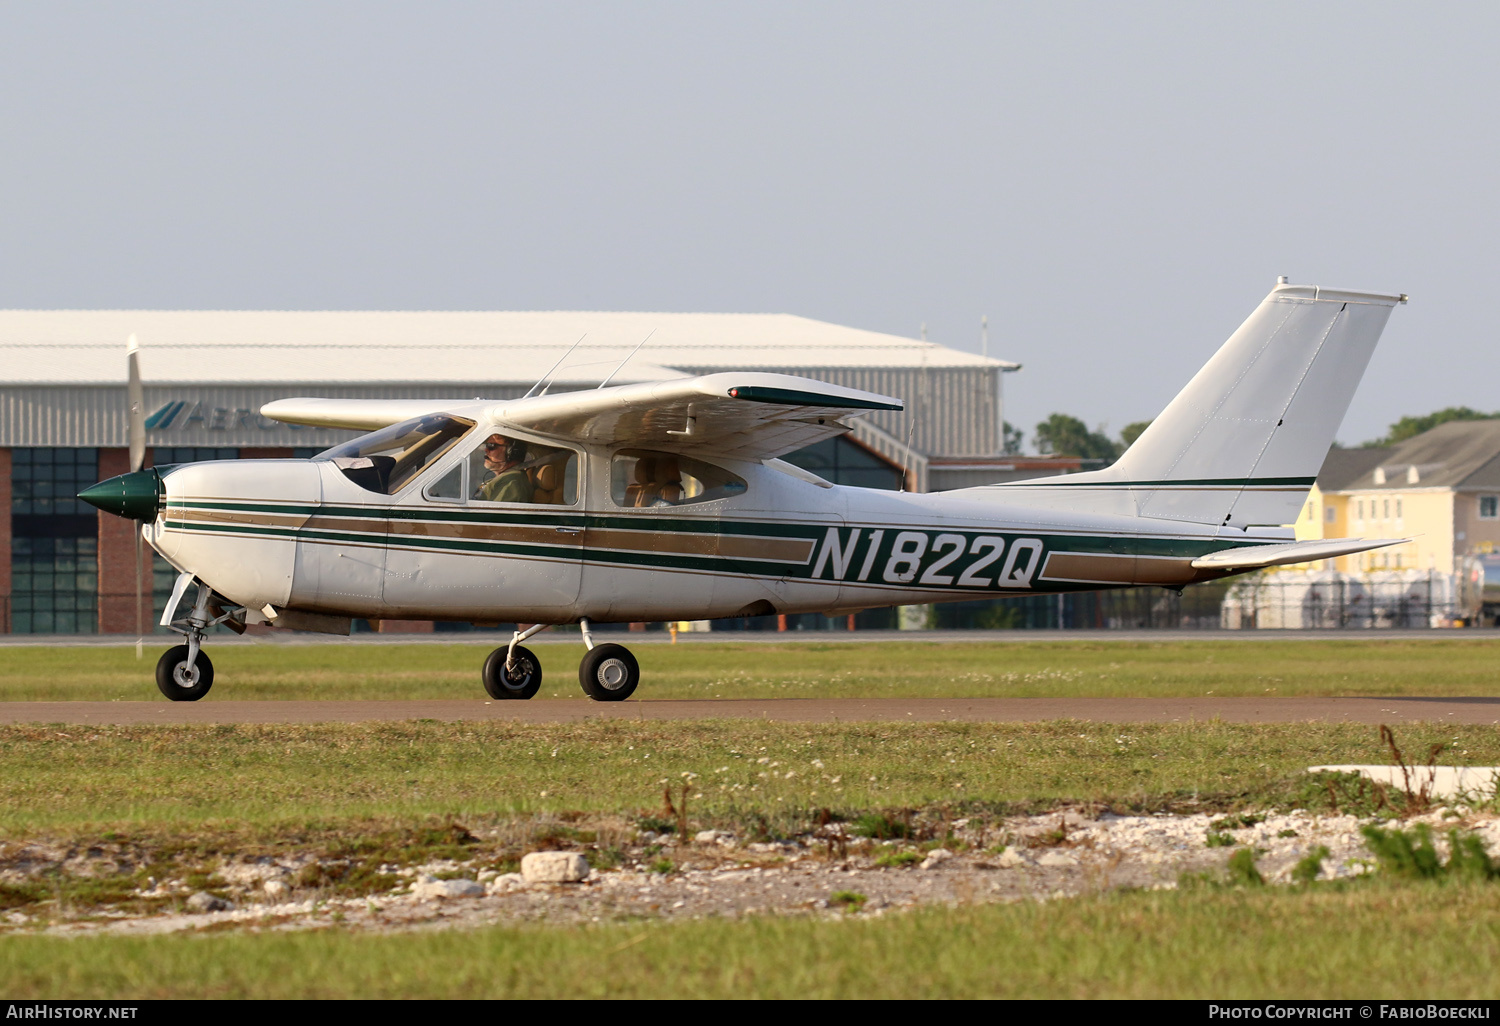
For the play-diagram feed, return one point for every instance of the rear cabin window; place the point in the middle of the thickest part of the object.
(385, 461)
(640, 478)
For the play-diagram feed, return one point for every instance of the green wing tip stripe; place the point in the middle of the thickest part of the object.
(1210, 482)
(792, 397)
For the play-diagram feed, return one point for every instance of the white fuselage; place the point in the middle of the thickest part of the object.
(298, 534)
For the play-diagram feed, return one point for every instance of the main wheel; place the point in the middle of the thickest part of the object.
(181, 682)
(524, 682)
(609, 673)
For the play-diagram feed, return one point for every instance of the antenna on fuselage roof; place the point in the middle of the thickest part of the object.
(908, 472)
(623, 362)
(556, 365)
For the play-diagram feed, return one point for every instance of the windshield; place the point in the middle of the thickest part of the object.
(385, 461)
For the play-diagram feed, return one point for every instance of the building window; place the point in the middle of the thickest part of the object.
(1398, 509)
(1328, 514)
(163, 455)
(1489, 507)
(54, 548)
(1385, 511)
(847, 463)
(1360, 507)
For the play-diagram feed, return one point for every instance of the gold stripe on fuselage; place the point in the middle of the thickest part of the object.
(1107, 568)
(406, 532)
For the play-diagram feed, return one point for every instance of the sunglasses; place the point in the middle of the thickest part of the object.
(492, 446)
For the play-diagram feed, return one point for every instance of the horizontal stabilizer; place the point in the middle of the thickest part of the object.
(1255, 557)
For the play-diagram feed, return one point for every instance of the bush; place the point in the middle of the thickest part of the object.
(1412, 855)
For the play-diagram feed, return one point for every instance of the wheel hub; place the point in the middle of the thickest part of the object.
(613, 674)
(185, 676)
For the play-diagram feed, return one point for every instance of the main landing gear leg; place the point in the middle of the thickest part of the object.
(184, 673)
(608, 673)
(514, 671)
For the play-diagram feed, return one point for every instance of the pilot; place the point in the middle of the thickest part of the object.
(503, 458)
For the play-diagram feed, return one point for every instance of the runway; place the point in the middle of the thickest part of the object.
(1371, 711)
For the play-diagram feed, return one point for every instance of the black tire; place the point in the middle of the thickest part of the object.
(609, 673)
(173, 680)
(526, 682)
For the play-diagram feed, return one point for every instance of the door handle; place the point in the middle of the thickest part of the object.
(568, 530)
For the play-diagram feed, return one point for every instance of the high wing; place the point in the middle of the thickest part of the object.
(751, 416)
(356, 414)
(1258, 556)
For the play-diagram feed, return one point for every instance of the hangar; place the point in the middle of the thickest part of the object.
(64, 569)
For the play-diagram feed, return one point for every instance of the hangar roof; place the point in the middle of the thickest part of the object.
(235, 347)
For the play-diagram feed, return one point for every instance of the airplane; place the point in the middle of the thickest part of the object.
(668, 501)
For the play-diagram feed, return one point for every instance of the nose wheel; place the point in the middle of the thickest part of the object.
(184, 673)
(181, 677)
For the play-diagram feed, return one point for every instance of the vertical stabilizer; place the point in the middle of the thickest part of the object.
(1243, 441)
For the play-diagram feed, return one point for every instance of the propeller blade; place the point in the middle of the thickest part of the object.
(140, 619)
(136, 399)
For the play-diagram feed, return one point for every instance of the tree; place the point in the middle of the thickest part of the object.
(1130, 432)
(1013, 436)
(1062, 435)
(1411, 427)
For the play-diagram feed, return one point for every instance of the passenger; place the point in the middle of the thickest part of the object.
(503, 458)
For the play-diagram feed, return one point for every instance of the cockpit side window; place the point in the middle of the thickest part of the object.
(507, 469)
(385, 461)
(642, 478)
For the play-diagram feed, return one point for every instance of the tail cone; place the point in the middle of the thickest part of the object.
(135, 496)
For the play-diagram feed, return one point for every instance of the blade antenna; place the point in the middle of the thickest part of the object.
(623, 362)
(556, 365)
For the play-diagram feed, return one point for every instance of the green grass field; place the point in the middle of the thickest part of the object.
(70, 778)
(391, 791)
(1365, 665)
(1367, 942)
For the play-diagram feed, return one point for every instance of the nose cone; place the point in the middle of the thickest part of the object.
(135, 496)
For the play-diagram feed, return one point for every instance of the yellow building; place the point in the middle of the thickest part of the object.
(1441, 489)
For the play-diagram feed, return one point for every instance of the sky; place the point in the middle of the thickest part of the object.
(1115, 185)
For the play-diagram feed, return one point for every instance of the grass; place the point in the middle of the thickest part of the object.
(1332, 941)
(91, 778)
(387, 794)
(1360, 666)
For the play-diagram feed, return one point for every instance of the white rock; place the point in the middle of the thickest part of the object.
(554, 867)
(935, 858)
(427, 888)
(1010, 858)
(202, 901)
(709, 836)
(275, 888)
(1055, 859)
(505, 883)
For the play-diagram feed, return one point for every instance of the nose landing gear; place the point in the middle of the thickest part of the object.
(608, 673)
(184, 673)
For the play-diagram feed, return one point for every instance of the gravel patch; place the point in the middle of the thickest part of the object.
(1038, 858)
